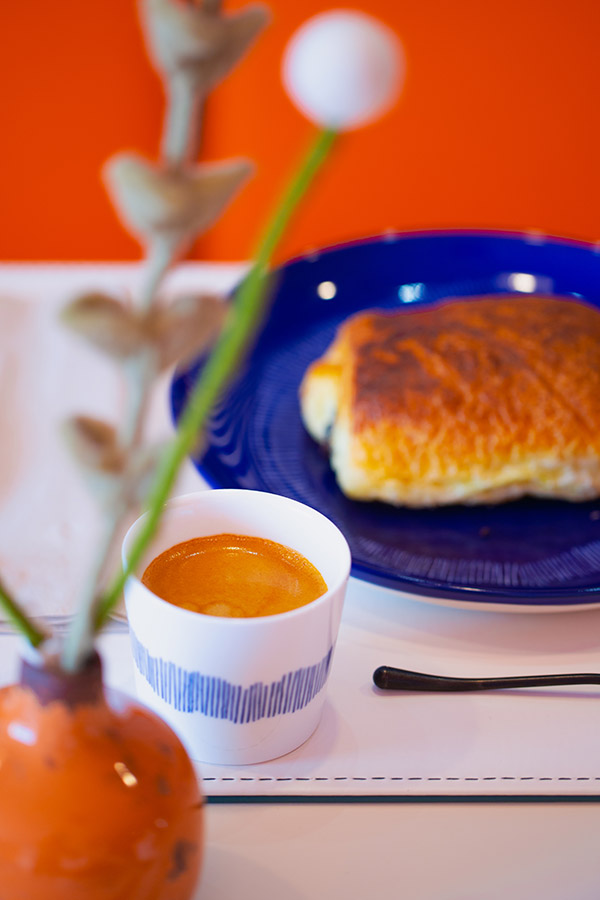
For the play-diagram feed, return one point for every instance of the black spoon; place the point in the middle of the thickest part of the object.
(390, 679)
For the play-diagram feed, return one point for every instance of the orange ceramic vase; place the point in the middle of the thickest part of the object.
(98, 798)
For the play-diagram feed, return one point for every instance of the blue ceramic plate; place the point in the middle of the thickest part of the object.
(528, 554)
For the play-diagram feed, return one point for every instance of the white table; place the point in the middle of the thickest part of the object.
(416, 851)
(402, 847)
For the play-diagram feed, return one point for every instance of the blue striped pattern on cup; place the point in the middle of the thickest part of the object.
(196, 692)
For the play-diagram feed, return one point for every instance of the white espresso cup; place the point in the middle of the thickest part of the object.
(238, 690)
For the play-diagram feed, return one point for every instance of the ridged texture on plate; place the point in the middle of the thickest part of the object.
(468, 401)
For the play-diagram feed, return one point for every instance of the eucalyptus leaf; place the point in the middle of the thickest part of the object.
(187, 327)
(183, 37)
(158, 201)
(94, 444)
(106, 323)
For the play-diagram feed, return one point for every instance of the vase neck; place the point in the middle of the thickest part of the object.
(50, 682)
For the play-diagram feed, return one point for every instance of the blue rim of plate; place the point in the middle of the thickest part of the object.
(530, 553)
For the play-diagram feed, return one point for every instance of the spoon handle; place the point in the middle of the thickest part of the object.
(391, 679)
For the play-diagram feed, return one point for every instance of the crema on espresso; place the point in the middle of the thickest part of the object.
(234, 575)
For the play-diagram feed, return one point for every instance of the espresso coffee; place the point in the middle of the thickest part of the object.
(235, 576)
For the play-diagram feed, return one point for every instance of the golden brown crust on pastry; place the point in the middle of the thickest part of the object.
(475, 400)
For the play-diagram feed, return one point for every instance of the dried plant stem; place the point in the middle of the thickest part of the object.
(160, 257)
(249, 304)
(182, 122)
(141, 372)
(182, 103)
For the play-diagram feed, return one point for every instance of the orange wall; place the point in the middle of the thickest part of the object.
(498, 126)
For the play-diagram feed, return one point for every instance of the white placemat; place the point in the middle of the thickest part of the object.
(369, 743)
(542, 742)
(523, 742)
(534, 742)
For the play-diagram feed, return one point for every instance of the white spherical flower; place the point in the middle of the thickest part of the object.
(343, 69)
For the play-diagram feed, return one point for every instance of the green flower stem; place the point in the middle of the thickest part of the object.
(19, 620)
(248, 307)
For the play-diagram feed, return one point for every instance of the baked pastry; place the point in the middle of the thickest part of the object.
(475, 400)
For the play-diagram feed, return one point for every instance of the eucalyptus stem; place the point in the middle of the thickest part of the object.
(181, 126)
(80, 635)
(249, 304)
(161, 255)
(140, 376)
